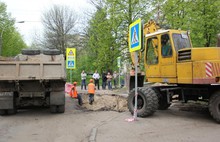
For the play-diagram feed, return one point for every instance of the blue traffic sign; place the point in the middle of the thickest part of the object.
(135, 36)
(70, 64)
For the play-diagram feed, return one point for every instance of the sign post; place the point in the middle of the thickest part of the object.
(135, 43)
(70, 60)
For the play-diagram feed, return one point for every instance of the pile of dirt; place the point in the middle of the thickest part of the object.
(105, 103)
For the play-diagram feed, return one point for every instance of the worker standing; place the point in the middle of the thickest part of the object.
(74, 94)
(83, 77)
(91, 91)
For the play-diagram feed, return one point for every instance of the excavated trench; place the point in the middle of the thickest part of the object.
(105, 102)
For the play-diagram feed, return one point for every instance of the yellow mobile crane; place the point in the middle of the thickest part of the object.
(189, 73)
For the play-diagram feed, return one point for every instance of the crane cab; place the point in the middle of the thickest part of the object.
(160, 54)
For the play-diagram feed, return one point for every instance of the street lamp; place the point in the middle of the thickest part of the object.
(1, 35)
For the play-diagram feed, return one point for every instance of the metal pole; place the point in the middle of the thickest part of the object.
(0, 45)
(71, 78)
(136, 94)
(119, 78)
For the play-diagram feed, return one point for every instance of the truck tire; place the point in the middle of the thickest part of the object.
(147, 102)
(30, 51)
(61, 109)
(53, 109)
(51, 52)
(12, 111)
(2, 112)
(214, 106)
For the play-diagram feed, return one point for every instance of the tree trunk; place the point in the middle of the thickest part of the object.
(218, 40)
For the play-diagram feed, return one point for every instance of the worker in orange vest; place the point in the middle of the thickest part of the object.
(91, 91)
(74, 94)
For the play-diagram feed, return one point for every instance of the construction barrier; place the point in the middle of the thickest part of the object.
(68, 87)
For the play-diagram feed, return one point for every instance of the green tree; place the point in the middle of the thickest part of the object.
(11, 42)
(205, 22)
(113, 18)
(201, 17)
(100, 41)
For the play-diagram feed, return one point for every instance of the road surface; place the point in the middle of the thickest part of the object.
(177, 124)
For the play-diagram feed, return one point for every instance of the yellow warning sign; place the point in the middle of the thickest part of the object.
(70, 58)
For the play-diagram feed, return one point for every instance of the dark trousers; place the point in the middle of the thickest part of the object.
(109, 85)
(104, 85)
(79, 97)
(115, 83)
(91, 98)
(83, 84)
(97, 83)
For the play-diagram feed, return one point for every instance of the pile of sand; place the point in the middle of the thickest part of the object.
(105, 103)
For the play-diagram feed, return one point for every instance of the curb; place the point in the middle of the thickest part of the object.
(92, 137)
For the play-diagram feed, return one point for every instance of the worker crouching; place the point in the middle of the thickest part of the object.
(91, 91)
(74, 94)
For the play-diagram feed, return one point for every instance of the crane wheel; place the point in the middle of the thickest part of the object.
(214, 106)
(147, 101)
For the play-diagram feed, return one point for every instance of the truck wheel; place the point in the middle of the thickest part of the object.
(214, 106)
(147, 102)
(61, 109)
(12, 111)
(2, 112)
(53, 109)
(51, 52)
(30, 51)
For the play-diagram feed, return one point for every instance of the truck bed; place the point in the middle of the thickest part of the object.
(37, 67)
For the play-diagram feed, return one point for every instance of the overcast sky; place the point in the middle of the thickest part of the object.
(31, 11)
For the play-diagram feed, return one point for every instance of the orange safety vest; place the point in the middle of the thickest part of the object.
(73, 92)
(91, 88)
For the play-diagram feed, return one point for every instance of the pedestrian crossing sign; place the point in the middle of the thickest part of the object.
(71, 63)
(70, 58)
(135, 36)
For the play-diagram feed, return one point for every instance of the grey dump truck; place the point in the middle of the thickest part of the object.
(33, 78)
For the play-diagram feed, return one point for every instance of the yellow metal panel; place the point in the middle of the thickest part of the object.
(205, 72)
(168, 70)
(215, 68)
(152, 70)
(154, 79)
(164, 80)
(206, 53)
(184, 72)
(199, 69)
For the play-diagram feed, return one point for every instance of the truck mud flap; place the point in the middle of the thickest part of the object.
(57, 98)
(6, 100)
